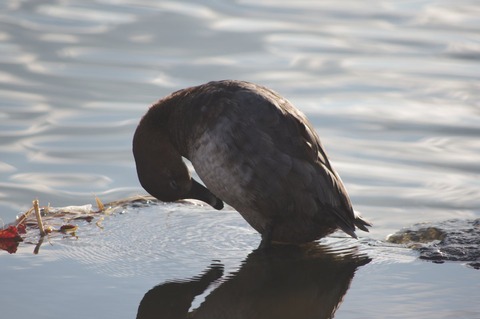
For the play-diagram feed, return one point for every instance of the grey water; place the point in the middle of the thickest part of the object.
(392, 88)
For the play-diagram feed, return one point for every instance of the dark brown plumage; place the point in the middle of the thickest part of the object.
(252, 149)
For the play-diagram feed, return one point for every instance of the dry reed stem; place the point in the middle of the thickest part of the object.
(100, 205)
(24, 216)
(39, 218)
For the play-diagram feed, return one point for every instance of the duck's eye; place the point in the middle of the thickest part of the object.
(173, 184)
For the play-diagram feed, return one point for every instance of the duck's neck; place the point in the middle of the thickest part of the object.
(166, 115)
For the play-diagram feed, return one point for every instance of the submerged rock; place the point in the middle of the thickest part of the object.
(451, 240)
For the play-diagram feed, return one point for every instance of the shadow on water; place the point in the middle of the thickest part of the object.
(284, 282)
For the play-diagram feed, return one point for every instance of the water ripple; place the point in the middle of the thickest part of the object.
(163, 238)
(391, 88)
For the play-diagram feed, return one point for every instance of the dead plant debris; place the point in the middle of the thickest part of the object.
(49, 221)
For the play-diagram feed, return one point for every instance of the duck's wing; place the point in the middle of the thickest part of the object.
(301, 162)
(328, 188)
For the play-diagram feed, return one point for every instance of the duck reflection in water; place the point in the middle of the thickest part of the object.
(307, 281)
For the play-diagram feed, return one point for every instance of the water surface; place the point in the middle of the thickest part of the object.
(392, 88)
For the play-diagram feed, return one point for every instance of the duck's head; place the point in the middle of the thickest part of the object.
(161, 170)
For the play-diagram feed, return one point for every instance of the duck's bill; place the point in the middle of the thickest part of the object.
(200, 192)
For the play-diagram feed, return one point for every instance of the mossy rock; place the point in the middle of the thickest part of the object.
(451, 240)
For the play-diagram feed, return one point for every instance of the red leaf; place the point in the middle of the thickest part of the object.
(21, 229)
(9, 245)
(11, 232)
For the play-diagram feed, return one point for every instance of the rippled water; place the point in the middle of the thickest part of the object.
(392, 88)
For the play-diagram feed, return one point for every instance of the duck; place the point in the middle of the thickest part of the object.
(254, 151)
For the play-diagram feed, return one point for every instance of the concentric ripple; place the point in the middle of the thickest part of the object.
(160, 238)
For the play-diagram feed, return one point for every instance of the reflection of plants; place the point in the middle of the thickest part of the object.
(306, 281)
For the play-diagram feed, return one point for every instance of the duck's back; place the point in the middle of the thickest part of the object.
(259, 154)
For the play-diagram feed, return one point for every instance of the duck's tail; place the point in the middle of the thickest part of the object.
(361, 223)
(349, 226)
